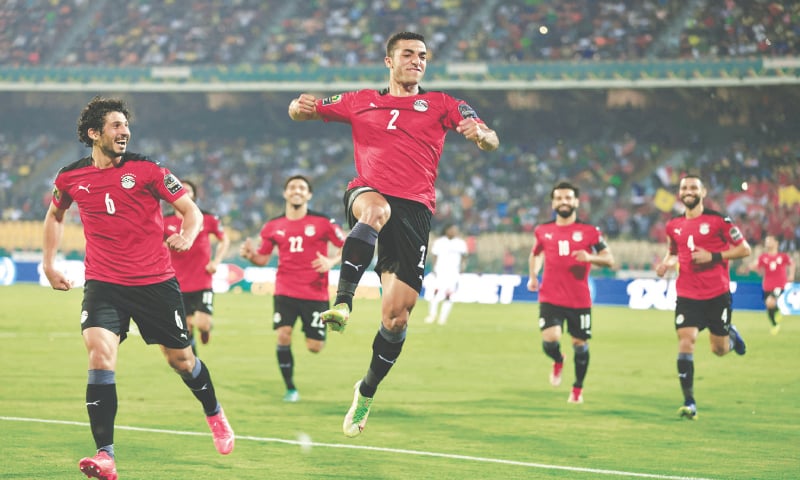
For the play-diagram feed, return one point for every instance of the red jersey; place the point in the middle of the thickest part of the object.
(710, 231)
(298, 242)
(397, 141)
(565, 281)
(774, 267)
(121, 213)
(190, 266)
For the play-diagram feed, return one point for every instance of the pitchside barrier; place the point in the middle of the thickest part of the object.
(640, 293)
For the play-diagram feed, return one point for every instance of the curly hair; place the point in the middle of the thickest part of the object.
(94, 114)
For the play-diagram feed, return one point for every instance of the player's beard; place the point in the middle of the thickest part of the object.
(565, 211)
(690, 201)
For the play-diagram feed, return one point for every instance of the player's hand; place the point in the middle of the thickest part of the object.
(701, 256)
(58, 280)
(246, 250)
(322, 263)
(581, 256)
(178, 242)
(303, 107)
(211, 268)
(533, 284)
(471, 129)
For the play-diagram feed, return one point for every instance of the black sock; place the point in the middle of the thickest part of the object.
(553, 350)
(286, 364)
(581, 364)
(101, 403)
(771, 313)
(384, 356)
(686, 375)
(202, 388)
(357, 253)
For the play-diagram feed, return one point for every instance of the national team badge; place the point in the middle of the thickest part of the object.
(56, 194)
(704, 229)
(577, 236)
(128, 181)
(421, 105)
(310, 230)
(331, 100)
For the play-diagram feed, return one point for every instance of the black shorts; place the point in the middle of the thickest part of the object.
(287, 309)
(776, 293)
(157, 310)
(579, 320)
(403, 241)
(713, 313)
(199, 301)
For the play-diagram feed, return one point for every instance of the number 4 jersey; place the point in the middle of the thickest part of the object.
(121, 214)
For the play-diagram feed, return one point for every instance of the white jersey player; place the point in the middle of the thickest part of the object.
(449, 253)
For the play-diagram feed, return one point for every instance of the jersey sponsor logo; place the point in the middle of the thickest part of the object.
(421, 105)
(172, 228)
(281, 233)
(128, 181)
(704, 229)
(310, 230)
(735, 234)
(677, 231)
(332, 99)
(84, 187)
(172, 183)
(466, 111)
(577, 236)
(548, 236)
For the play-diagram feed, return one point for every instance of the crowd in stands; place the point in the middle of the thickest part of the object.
(346, 32)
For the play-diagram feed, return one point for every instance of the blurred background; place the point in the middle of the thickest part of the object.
(621, 97)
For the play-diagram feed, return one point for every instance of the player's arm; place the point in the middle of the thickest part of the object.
(250, 253)
(603, 258)
(53, 232)
(535, 263)
(324, 263)
(669, 262)
(191, 226)
(790, 270)
(304, 108)
(701, 255)
(223, 244)
(484, 137)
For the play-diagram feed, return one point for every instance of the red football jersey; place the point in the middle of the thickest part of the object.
(298, 242)
(710, 231)
(121, 214)
(397, 141)
(190, 266)
(565, 281)
(774, 268)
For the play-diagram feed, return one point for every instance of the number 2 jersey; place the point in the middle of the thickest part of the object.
(397, 141)
(710, 231)
(121, 214)
(565, 281)
(298, 243)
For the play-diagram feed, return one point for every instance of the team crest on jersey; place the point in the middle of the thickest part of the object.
(128, 181)
(310, 230)
(56, 194)
(466, 111)
(421, 105)
(704, 229)
(577, 236)
(331, 100)
(172, 183)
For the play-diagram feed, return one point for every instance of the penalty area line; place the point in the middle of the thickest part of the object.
(401, 451)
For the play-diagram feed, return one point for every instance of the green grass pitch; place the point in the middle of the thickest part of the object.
(469, 400)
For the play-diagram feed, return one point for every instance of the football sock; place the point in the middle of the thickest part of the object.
(101, 404)
(385, 349)
(286, 364)
(553, 350)
(686, 375)
(581, 363)
(193, 343)
(357, 253)
(202, 388)
(771, 313)
(447, 306)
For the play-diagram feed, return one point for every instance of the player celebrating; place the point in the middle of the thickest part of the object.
(301, 284)
(195, 268)
(128, 271)
(398, 135)
(700, 243)
(567, 248)
(777, 269)
(449, 258)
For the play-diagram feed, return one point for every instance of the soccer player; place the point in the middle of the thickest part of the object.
(195, 268)
(398, 134)
(301, 284)
(700, 243)
(567, 248)
(449, 259)
(128, 271)
(777, 269)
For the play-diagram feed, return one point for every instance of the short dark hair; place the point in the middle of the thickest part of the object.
(94, 114)
(565, 186)
(191, 184)
(390, 45)
(299, 177)
(692, 175)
